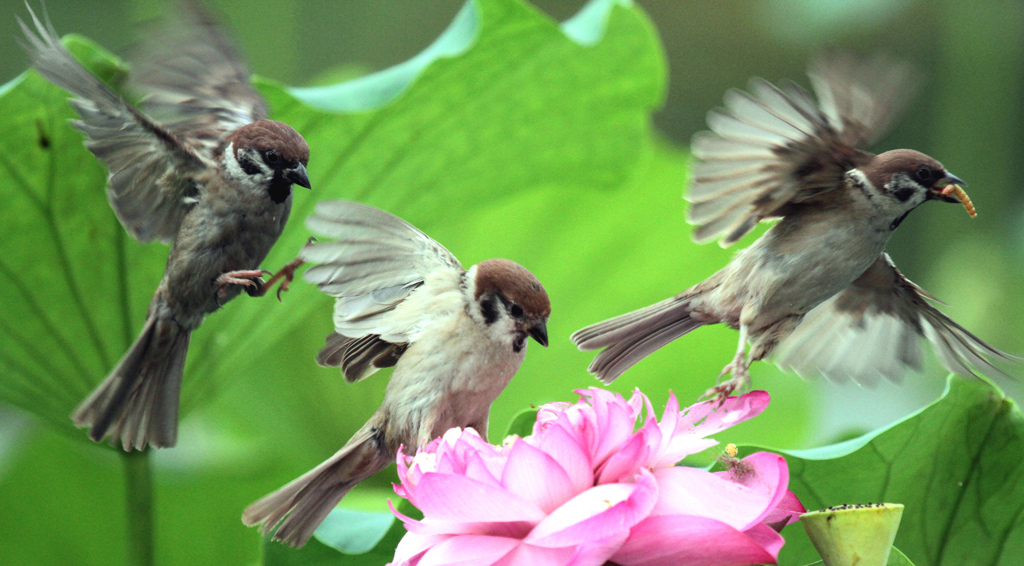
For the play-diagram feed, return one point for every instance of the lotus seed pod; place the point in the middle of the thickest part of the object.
(854, 535)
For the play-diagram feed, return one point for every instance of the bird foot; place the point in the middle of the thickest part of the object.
(285, 275)
(740, 380)
(248, 278)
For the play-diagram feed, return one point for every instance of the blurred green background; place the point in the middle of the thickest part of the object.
(600, 251)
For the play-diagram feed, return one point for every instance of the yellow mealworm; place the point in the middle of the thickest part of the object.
(961, 196)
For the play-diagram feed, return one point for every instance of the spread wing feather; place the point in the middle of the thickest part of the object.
(375, 262)
(151, 184)
(194, 79)
(770, 149)
(878, 328)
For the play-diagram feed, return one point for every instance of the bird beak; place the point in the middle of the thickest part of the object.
(948, 189)
(539, 331)
(944, 188)
(298, 176)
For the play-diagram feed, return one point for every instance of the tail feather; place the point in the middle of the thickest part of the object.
(631, 337)
(138, 402)
(297, 509)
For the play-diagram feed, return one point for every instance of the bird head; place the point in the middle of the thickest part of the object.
(511, 299)
(267, 155)
(901, 179)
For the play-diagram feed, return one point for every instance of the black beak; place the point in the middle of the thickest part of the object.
(539, 331)
(298, 176)
(945, 196)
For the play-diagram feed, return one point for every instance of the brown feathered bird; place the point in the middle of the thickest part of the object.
(213, 177)
(455, 337)
(817, 289)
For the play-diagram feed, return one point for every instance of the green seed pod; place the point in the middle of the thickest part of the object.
(854, 535)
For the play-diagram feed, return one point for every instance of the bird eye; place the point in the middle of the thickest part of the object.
(516, 310)
(923, 174)
(271, 157)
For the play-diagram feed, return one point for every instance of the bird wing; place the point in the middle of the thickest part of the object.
(194, 81)
(876, 327)
(775, 147)
(152, 170)
(360, 357)
(375, 262)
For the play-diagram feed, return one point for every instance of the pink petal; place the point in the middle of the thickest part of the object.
(529, 555)
(691, 491)
(449, 497)
(485, 470)
(615, 423)
(680, 540)
(508, 529)
(670, 418)
(679, 447)
(534, 475)
(734, 411)
(571, 455)
(701, 420)
(764, 473)
(468, 550)
(548, 413)
(626, 463)
(767, 538)
(600, 513)
(411, 548)
(638, 401)
(599, 552)
(787, 512)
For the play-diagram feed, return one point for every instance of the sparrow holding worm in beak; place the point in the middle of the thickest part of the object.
(817, 290)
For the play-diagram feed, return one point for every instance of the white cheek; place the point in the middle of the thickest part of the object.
(233, 170)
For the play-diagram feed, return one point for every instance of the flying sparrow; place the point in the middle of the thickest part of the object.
(817, 288)
(213, 178)
(455, 337)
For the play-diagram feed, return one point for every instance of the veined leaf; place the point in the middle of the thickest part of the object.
(956, 467)
(517, 105)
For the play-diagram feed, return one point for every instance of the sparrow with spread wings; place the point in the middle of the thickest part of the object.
(817, 290)
(455, 337)
(213, 177)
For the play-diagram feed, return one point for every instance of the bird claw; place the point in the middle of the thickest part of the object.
(248, 278)
(740, 380)
(285, 275)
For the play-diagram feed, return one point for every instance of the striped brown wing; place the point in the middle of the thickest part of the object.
(773, 147)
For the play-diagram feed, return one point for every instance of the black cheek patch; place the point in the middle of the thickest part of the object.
(903, 194)
(248, 165)
(490, 312)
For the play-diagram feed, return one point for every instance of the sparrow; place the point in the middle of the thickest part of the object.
(817, 290)
(455, 338)
(213, 178)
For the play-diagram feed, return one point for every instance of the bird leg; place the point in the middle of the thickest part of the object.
(284, 275)
(738, 367)
(246, 278)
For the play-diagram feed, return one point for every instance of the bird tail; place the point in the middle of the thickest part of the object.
(629, 338)
(138, 402)
(297, 509)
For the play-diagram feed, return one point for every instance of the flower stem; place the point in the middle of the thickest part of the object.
(138, 482)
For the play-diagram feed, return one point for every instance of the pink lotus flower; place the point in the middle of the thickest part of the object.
(590, 486)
